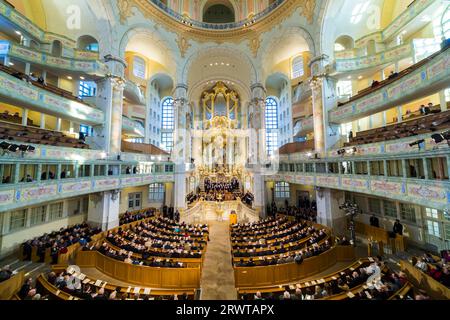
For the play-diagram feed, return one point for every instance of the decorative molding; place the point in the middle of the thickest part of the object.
(183, 45)
(308, 8)
(237, 35)
(254, 45)
(125, 12)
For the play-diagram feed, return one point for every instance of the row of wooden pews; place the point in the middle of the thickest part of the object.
(352, 282)
(434, 122)
(26, 134)
(48, 87)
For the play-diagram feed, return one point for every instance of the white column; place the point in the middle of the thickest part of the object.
(384, 119)
(442, 100)
(400, 114)
(42, 121)
(328, 212)
(27, 68)
(104, 209)
(24, 117)
(58, 124)
(259, 188)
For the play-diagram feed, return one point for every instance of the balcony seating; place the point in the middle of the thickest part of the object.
(48, 87)
(295, 147)
(434, 122)
(142, 148)
(390, 80)
(14, 118)
(14, 132)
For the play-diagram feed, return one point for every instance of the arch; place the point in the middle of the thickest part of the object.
(236, 54)
(164, 80)
(206, 4)
(56, 48)
(87, 42)
(162, 43)
(221, 12)
(276, 80)
(345, 41)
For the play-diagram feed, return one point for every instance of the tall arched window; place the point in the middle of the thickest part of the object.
(139, 67)
(282, 190)
(168, 124)
(271, 125)
(298, 67)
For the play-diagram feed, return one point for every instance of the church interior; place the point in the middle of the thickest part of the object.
(224, 150)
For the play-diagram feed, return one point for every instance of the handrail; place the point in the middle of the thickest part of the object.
(216, 26)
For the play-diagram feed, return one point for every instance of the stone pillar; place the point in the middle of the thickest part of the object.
(110, 100)
(103, 209)
(257, 124)
(442, 100)
(318, 113)
(180, 153)
(259, 190)
(328, 212)
(24, 117)
(58, 124)
(42, 125)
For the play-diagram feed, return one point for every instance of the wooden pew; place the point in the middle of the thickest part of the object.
(261, 276)
(167, 278)
(379, 234)
(11, 286)
(434, 289)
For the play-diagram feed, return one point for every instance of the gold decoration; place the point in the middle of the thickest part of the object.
(236, 35)
(183, 45)
(124, 10)
(308, 7)
(232, 104)
(254, 45)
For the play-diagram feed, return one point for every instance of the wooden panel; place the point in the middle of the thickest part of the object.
(143, 275)
(290, 272)
(11, 286)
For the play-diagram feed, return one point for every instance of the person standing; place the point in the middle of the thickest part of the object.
(398, 227)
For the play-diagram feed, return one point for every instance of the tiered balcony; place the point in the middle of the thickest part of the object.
(133, 93)
(132, 128)
(82, 63)
(16, 194)
(428, 76)
(372, 171)
(217, 26)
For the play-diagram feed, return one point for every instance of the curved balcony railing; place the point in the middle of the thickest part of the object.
(132, 92)
(132, 128)
(216, 26)
(87, 66)
(410, 84)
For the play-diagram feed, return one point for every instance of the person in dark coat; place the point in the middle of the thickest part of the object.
(374, 222)
(398, 227)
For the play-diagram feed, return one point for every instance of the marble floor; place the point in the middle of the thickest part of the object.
(217, 281)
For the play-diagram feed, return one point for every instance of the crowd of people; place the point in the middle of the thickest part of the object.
(132, 216)
(375, 280)
(438, 269)
(6, 273)
(276, 241)
(305, 210)
(67, 282)
(156, 242)
(59, 241)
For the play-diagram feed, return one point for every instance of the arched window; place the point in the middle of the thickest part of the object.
(271, 125)
(282, 190)
(168, 124)
(298, 67)
(139, 67)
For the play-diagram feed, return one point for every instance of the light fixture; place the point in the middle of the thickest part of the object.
(228, 64)
(19, 33)
(360, 77)
(82, 78)
(69, 77)
(404, 32)
(349, 77)
(11, 64)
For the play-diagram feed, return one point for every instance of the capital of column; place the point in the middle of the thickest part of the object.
(258, 92)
